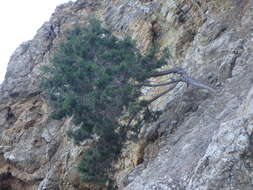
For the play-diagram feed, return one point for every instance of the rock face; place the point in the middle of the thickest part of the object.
(202, 141)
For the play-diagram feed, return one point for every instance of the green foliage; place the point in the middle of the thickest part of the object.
(95, 159)
(91, 77)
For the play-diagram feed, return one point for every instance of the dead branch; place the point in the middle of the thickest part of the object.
(172, 81)
(184, 77)
(176, 70)
(194, 82)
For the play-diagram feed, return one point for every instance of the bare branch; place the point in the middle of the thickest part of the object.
(161, 84)
(197, 83)
(176, 70)
(184, 78)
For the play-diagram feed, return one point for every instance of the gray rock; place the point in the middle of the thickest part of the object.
(202, 140)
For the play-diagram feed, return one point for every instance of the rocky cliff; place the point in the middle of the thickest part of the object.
(202, 140)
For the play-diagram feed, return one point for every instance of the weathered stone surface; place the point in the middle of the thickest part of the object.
(202, 141)
(208, 149)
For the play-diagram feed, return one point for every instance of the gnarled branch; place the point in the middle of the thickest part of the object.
(184, 77)
(176, 70)
(194, 82)
(172, 81)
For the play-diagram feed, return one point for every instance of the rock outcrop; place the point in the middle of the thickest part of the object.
(202, 140)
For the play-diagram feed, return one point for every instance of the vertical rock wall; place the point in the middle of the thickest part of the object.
(202, 141)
